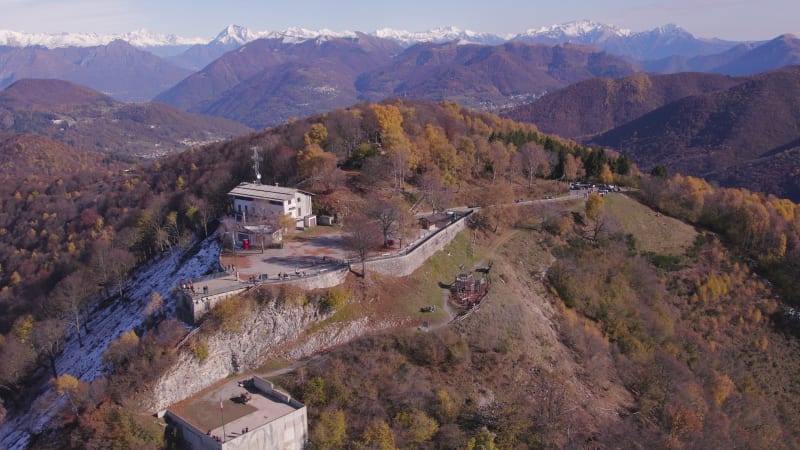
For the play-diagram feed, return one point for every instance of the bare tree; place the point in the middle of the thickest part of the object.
(362, 236)
(120, 265)
(385, 213)
(48, 341)
(433, 190)
(533, 158)
(407, 224)
(72, 296)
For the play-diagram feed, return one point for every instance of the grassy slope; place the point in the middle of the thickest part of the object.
(653, 232)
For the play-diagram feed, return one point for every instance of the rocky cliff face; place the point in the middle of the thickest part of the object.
(273, 331)
(232, 352)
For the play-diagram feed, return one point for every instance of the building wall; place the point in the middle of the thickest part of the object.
(192, 437)
(257, 208)
(299, 207)
(328, 279)
(289, 432)
(199, 307)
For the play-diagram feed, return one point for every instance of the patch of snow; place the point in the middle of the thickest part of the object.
(106, 324)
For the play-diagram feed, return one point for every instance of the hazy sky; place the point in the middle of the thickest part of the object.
(731, 19)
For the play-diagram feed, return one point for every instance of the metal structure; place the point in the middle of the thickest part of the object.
(467, 291)
(256, 161)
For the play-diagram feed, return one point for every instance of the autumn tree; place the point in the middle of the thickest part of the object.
(573, 167)
(417, 425)
(201, 212)
(379, 436)
(73, 389)
(606, 176)
(443, 154)
(497, 209)
(318, 134)
(595, 213)
(394, 142)
(120, 264)
(317, 166)
(330, 430)
(407, 226)
(121, 349)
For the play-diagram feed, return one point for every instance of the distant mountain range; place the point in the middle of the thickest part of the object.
(265, 78)
(652, 44)
(743, 59)
(86, 119)
(118, 68)
(267, 81)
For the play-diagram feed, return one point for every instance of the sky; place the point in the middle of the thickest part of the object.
(727, 19)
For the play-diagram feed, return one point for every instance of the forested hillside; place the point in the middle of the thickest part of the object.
(594, 106)
(607, 325)
(69, 238)
(739, 132)
(717, 134)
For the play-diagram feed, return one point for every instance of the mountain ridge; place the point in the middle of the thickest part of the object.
(85, 119)
(584, 31)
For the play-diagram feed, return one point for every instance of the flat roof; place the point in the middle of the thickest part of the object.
(265, 191)
(203, 409)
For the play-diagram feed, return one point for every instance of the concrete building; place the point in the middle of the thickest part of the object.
(258, 417)
(253, 201)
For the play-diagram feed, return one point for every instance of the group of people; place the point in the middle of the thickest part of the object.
(187, 286)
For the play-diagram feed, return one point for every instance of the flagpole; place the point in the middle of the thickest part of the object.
(222, 414)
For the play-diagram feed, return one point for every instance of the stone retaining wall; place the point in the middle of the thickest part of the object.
(405, 265)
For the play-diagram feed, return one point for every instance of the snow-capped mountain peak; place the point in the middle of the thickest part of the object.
(146, 38)
(438, 35)
(235, 34)
(138, 38)
(578, 31)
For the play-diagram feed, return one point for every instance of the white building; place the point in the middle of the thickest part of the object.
(255, 201)
(268, 419)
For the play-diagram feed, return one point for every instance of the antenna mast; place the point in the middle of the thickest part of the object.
(256, 161)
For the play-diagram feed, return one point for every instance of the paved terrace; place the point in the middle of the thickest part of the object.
(300, 257)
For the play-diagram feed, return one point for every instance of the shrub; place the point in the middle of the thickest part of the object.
(334, 299)
(200, 350)
(420, 426)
